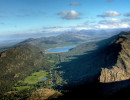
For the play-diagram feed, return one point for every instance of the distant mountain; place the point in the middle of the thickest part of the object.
(67, 39)
(4, 45)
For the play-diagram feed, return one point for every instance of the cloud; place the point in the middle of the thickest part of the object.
(109, 14)
(75, 4)
(110, 21)
(113, 23)
(111, 26)
(69, 15)
(127, 14)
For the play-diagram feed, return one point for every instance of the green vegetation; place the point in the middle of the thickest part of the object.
(31, 81)
(23, 66)
(44, 67)
(51, 61)
(21, 88)
(17, 63)
(35, 77)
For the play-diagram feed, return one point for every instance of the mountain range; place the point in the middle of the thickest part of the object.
(93, 68)
(67, 37)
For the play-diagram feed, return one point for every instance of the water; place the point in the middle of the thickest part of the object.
(43, 79)
(60, 49)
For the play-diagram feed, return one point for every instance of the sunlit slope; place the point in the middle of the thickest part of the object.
(17, 63)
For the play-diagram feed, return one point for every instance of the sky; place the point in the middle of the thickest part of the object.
(28, 17)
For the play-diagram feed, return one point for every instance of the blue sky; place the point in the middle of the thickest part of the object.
(20, 17)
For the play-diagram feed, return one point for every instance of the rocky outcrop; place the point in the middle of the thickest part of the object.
(121, 69)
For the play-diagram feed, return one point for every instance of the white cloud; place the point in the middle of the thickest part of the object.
(113, 20)
(55, 29)
(109, 14)
(110, 21)
(111, 26)
(124, 26)
(69, 15)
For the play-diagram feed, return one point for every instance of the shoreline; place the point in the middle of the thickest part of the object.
(58, 47)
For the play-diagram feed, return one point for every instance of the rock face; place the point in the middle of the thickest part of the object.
(121, 69)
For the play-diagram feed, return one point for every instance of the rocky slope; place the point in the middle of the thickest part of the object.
(121, 69)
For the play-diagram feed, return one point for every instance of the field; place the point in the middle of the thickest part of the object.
(31, 80)
(36, 77)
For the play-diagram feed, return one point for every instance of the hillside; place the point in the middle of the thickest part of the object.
(97, 67)
(101, 66)
(17, 63)
(121, 69)
(86, 56)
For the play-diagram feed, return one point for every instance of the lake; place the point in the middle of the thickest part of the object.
(59, 49)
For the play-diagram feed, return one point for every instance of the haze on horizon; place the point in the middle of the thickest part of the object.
(26, 18)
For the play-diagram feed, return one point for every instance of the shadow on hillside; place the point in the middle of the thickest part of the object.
(82, 73)
(94, 91)
(88, 67)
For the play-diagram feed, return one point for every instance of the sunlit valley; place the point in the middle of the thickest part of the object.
(63, 50)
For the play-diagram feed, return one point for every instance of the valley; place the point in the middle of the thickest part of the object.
(27, 68)
(64, 49)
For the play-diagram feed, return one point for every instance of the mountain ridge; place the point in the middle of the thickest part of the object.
(113, 66)
(121, 70)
